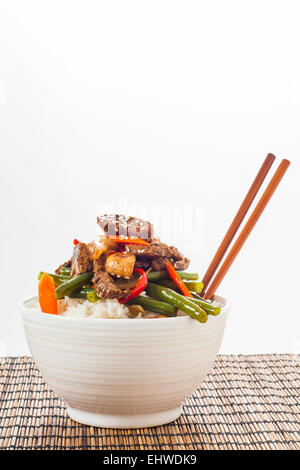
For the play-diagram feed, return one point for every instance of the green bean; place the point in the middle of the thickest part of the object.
(154, 305)
(65, 271)
(177, 300)
(208, 307)
(167, 283)
(85, 293)
(58, 279)
(72, 284)
(188, 276)
(194, 286)
(79, 294)
(87, 286)
(92, 296)
(157, 275)
(191, 285)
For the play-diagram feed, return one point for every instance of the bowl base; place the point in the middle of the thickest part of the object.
(124, 421)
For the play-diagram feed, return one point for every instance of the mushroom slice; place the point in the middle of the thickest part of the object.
(135, 310)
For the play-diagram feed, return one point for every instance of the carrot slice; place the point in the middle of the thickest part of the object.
(127, 240)
(47, 299)
(178, 281)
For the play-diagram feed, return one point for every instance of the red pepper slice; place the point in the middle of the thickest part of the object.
(178, 281)
(141, 284)
(130, 240)
(159, 316)
(76, 242)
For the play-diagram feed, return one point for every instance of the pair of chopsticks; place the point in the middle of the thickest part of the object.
(211, 288)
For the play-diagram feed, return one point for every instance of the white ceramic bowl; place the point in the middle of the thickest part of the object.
(123, 373)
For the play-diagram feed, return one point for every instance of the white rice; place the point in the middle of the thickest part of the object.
(109, 308)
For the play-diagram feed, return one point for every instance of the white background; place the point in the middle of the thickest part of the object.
(152, 103)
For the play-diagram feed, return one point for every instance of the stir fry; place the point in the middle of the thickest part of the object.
(131, 265)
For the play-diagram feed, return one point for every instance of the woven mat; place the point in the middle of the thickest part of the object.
(246, 402)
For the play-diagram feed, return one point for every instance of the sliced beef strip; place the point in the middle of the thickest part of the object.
(157, 249)
(63, 265)
(176, 253)
(103, 282)
(105, 287)
(115, 224)
(143, 263)
(181, 265)
(156, 255)
(160, 264)
(81, 261)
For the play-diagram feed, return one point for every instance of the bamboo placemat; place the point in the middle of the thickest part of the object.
(246, 402)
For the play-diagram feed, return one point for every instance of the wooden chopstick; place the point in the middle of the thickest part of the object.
(239, 217)
(258, 210)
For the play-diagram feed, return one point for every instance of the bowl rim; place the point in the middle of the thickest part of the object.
(47, 316)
